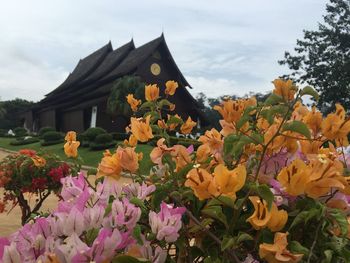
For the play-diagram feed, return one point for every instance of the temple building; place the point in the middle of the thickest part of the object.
(80, 101)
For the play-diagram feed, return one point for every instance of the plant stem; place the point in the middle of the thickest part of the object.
(315, 241)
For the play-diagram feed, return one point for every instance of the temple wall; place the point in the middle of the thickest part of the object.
(47, 118)
(73, 121)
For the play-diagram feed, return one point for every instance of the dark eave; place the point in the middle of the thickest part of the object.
(84, 68)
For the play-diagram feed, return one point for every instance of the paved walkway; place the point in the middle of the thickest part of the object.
(9, 223)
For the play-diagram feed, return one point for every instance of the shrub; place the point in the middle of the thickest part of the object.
(48, 143)
(44, 130)
(119, 136)
(52, 136)
(103, 138)
(20, 131)
(91, 133)
(3, 132)
(94, 146)
(24, 141)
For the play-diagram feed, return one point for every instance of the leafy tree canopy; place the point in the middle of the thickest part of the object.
(322, 57)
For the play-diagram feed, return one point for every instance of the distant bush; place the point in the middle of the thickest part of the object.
(24, 141)
(91, 133)
(94, 146)
(3, 132)
(185, 142)
(44, 130)
(103, 138)
(20, 131)
(51, 138)
(119, 136)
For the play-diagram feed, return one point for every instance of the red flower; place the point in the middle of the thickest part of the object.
(39, 184)
(27, 152)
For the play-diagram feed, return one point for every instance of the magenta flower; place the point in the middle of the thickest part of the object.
(137, 190)
(167, 223)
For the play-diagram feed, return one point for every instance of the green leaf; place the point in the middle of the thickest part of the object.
(164, 102)
(309, 91)
(126, 259)
(242, 121)
(174, 120)
(297, 126)
(298, 248)
(329, 254)
(305, 216)
(227, 242)
(136, 233)
(229, 142)
(146, 105)
(205, 222)
(265, 193)
(138, 203)
(243, 237)
(108, 209)
(273, 99)
(341, 220)
(216, 213)
(221, 200)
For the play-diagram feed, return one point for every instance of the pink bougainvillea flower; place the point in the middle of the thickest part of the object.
(139, 191)
(167, 223)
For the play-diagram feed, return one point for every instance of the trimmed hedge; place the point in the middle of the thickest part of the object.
(20, 131)
(52, 136)
(91, 133)
(44, 130)
(119, 136)
(48, 143)
(101, 146)
(3, 132)
(103, 138)
(23, 141)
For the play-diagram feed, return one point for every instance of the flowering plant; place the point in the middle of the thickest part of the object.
(271, 186)
(30, 175)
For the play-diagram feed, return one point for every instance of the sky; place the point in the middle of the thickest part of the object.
(221, 47)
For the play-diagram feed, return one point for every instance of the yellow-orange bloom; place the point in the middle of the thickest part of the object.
(151, 92)
(294, 177)
(38, 161)
(336, 127)
(313, 120)
(285, 89)
(141, 129)
(162, 124)
(109, 166)
(172, 125)
(278, 252)
(213, 139)
(203, 153)
(132, 142)
(128, 159)
(171, 87)
(71, 148)
(181, 156)
(228, 182)
(52, 258)
(158, 152)
(187, 127)
(71, 136)
(274, 219)
(134, 103)
(198, 180)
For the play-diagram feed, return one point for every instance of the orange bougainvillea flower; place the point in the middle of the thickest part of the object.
(181, 156)
(141, 128)
(109, 166)
(158, 152)
(336, 127)
(278, 252)
(285, 89)
(173, 124)
(187, 127)
(132, 142)
(171, 87)
(71, 148)
(198, 180)
(324, 174)
(162, 124)
(227, 128)
(213, 139)
(151, 92)
(38, 161)
(134, 103)
(227, 182)
(203, 153)
(294, 177)
(274, 219)
(313, 119)
(128, 159)
(71, 136)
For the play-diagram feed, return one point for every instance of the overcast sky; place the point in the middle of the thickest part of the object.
(222, 47)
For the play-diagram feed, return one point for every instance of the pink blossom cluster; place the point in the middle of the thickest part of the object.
(94, 225)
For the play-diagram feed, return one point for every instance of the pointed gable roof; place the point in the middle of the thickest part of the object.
(84, 68)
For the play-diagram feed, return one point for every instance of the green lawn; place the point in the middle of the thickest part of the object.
(91, 158)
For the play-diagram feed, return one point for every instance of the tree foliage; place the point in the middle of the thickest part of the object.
(322, 57)
(10, 111)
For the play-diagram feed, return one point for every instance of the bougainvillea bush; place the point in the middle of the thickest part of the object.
(30, 175)
(271, 186)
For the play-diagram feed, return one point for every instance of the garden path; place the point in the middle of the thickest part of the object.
(9, 223)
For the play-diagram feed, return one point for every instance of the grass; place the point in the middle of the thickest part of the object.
(91, 158)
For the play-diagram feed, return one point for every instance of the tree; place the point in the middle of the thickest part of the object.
(322, 57)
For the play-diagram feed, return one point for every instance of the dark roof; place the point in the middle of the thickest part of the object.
(84, 68)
